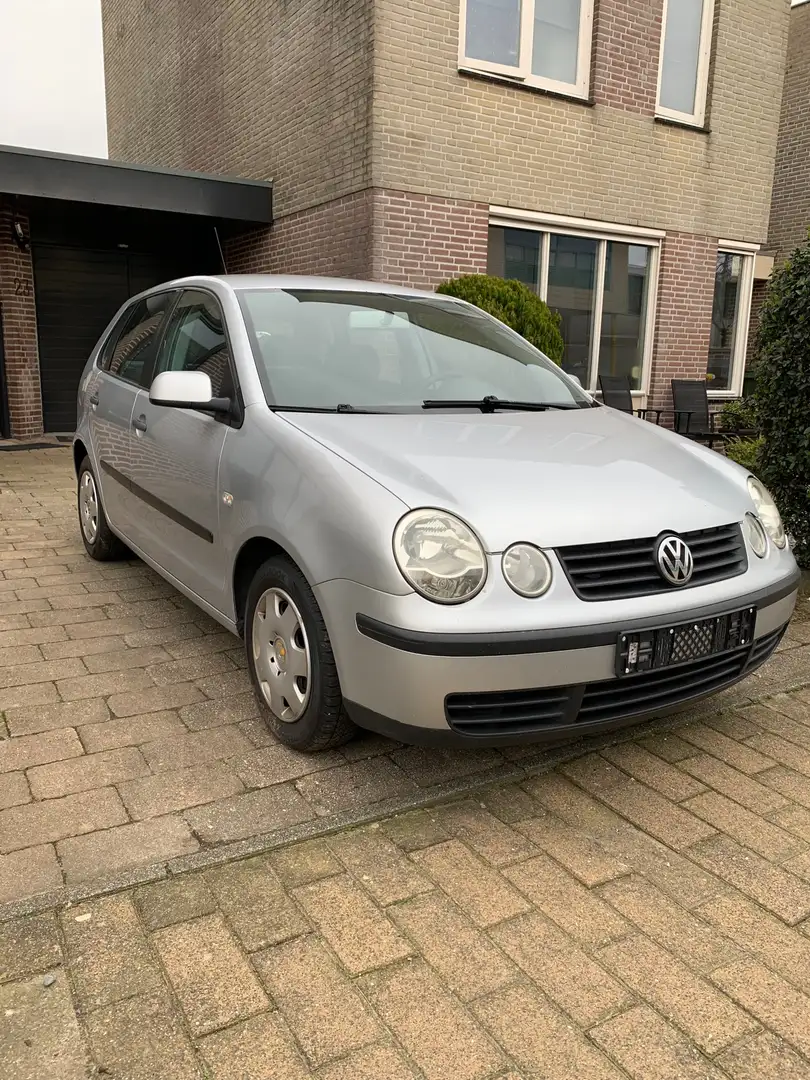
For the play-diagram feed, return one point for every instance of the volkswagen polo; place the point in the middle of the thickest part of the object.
(416, 521)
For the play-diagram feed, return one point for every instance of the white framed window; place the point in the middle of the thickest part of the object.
(731, 314)
(601, 278)
(543, 43)
(683, 63)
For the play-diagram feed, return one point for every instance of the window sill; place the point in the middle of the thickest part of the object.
(520, 84)
(667, 121)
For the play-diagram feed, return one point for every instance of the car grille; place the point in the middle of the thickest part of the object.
(518, 712)
(627, 568)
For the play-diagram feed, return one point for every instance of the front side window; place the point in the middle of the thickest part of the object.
(195, 341)
(333, 350)
(684, 60)
(130, 353)
(601, 289)
(544, 43)
(733, 282)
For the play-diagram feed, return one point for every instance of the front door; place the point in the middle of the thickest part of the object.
(176, 455)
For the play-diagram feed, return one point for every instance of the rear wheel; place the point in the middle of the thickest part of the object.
(291, 662)
(99, 541)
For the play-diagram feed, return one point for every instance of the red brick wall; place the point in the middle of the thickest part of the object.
(624, 65)
(683, 322)
(19, 329)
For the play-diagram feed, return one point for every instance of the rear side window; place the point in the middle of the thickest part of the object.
(130, 351)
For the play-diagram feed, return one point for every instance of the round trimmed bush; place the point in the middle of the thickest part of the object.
(514, 304)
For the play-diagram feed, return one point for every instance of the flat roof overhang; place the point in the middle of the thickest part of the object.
(41, 174)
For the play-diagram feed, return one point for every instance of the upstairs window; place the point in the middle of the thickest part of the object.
(543, 43)
(683, 69)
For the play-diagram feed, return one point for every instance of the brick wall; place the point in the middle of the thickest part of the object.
(790, 211)
(683, 320)
(624, 66)
(19, 329)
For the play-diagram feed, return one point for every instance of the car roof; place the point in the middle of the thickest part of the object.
(292, 281)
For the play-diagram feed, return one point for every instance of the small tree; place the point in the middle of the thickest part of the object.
(783, 395)
(514, 304)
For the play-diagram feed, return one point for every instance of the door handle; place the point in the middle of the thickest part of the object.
(139, 423)
(93, 401)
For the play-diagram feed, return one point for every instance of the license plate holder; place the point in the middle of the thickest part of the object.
(638, 651)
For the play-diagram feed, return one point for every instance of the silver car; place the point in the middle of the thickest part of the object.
(415, 520)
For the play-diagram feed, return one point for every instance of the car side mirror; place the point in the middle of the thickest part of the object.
(186, 390)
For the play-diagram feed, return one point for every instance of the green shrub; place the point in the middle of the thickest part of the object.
(739, 415)
(514, 304)
(783, 395)
(746, 452)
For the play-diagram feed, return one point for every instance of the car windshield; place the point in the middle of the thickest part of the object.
(365, 351)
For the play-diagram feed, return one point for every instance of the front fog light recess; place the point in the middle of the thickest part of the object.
(767, 511)
(440, 556)
(757, 537)
(527, 570)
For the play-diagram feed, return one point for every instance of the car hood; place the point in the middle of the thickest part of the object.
(553, 478)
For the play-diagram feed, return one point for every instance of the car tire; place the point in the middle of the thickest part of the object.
(291, 662)
(100, 542)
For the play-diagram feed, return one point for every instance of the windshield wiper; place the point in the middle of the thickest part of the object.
(490, 403)
(342, 408)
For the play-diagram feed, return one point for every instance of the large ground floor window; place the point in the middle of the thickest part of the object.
(603, 284)
(731, 309)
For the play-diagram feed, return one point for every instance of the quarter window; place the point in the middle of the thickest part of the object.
(195, 341)
(130, 353)
(545, 43)
(683, 71)
(733, 284)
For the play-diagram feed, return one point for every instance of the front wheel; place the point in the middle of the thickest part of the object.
(100, 542)
(291, 662)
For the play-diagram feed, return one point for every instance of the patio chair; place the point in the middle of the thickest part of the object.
(617, 394)
(693, 418)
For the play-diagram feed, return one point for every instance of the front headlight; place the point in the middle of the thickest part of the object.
(440, 556)
(527, 570)
(767, 511)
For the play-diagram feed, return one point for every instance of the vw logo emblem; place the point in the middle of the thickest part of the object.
(675, 562)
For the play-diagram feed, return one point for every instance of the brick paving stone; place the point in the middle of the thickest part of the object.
(734, 784)
(152, 796)
(414, 830)
(179, 899)
(790, 704)
(561, 969)
(776, 723)
(796, 819)
(783, 752)
(303, 863)
(738, 755)
(18, 655)
(60, 650)
(208, 714)
(255, 904)
(136, 637)
(777, 890)
(28, 635)
(578, 852)
(256, 1049)
(142, 1039)
(153, 698)
(360, 934)
(275, 763)
(436, 1030)
(462, 955)
(85, 629)
(575, 909)
(430, 765)
(55, 819)
(108, 953)
(782, 948)
(85, 773)
(67, 618)
(253, 813)
(29, 945)
(103, 854)
(764, 1056)
(13, 790)
(368, 744)
(201, 645)
(378, 865)
(482, 892)
(44, 693)
(646, 1046)
(31, 721)
(770, 999)
(710, 1019)
(190, 668)
(734, 724)
(657, 816)
(39, 1033)
(539, 1038)
(791, 784)
(475, 826)
(652, 771)
(28, 872)
(509, 803)
(371, 1063)
(799, 865)
(327, 1015)
(130, 731)
(211, 977)
(225, 685)
(669, 924)
(38, 749)
(747, 828)
(123, 659)
(194, 748)
(359, 784)
(112, 682)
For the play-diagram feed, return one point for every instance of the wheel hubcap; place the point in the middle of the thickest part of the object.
(88, 507)
(281, 655)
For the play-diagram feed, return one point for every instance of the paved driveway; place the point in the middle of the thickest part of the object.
(129, 733)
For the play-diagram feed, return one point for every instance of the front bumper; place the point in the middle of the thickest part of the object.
(406, 683)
